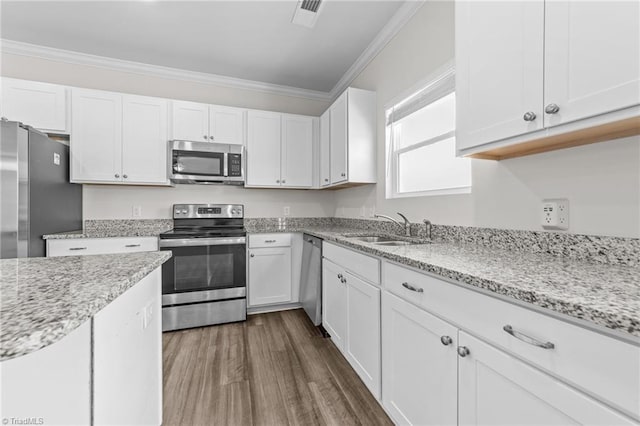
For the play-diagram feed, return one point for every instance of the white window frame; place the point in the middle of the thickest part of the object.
(435, 82)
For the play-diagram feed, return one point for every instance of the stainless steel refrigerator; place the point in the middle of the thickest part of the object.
(36, 197)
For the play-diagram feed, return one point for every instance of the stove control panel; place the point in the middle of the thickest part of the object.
(207, 211)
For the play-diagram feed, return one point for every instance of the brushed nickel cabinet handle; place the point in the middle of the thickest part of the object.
(446, 340)
(463, 351)
(529, 116)
(412, 288)
(205, 137)
(269, 241)
(77, 248)
(252, 255)
(552, 109)
(117, 175)
(528, 339)
(132, 245)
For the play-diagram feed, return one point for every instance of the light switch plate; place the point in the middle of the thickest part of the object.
(56, 158)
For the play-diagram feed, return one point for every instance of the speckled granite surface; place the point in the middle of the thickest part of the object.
(44, 299)
(602, 294)
(117, 228)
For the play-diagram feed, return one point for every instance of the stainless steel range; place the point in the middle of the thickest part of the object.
(204, 283)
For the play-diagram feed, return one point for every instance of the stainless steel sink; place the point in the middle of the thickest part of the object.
(396, 243)
(375, 239)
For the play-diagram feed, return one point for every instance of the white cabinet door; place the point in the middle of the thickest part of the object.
(190, 121)
(96, 136)
(325, 141)
(144, 140)
(41, 105)
(419, 372)
(297, 151)
(269, 276)
(338, 139)
(592, 58)
(263, 148)
(362, 347)
(499, 70)
(334, 303)
(226, 124)
(496, 388)
(127, 357)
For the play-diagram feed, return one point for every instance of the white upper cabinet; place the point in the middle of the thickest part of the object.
(190, 121)
(338, 137)
(325, 141)
(351, 129)
(499, 70)
(96, 136)
(297, 151)
(40, 105)
(144, 139)
(592, 58)
(540, 75)
(279, 150)
(226, 124)
(196, 122)
(263, 148)
(118, 138)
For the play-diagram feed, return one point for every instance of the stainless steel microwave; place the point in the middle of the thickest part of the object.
(206, 163)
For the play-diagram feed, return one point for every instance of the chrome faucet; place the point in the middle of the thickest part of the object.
(406, 227)
(427, 228)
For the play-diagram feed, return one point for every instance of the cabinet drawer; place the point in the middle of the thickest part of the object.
(269, 240)
(365, 266)
(87, 246)
(603, 366)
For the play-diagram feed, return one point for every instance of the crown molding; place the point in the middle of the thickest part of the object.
(395, 24)
(397, 21)
(77, 58)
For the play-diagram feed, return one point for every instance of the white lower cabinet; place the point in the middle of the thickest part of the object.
(495, 388)
(270, 271)
(351, 315)
(87, 246)
(127, 357)
(419, 365)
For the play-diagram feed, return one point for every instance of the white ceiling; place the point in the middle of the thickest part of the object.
(253, 40)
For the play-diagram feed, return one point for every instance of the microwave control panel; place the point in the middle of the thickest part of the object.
(235, 165)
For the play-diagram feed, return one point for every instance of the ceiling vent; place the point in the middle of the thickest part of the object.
(307, 12)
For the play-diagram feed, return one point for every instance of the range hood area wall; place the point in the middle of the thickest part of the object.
(601, 181)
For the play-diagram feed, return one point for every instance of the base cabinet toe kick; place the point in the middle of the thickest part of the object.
(107, 371)
(445, 354)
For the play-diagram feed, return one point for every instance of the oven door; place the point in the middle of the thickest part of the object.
(198, 164)
(203, 269)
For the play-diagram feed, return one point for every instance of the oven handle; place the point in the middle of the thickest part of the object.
(194, 242)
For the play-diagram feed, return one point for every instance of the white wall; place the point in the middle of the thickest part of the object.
(601, 181)
(115, 202)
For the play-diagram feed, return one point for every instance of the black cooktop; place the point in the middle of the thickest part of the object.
(204, 233)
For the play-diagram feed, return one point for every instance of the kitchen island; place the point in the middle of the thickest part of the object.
(68, 327)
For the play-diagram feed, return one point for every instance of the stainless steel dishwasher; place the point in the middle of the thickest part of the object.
(311, 285)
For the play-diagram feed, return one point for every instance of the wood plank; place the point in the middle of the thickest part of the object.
(273, 369)
(605, 132)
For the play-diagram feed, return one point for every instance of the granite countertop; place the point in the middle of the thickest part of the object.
(43, 299)
(605, 295)
(103, 233)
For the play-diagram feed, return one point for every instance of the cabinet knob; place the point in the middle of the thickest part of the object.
(343, 280)
(278, 181)
(326, 180)
(205, 137)
(343, 174)
(117, 175)
(446, 340)
(284, 181)
(252, 255)
(529, 116)
(125, 176)
(340, 276)
(463, 351)
(211, 137)
(551, 109)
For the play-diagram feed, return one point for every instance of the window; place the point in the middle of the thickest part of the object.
(420, 135)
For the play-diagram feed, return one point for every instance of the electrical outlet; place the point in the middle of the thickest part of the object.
(136, 211)
(287, 210)
(555, 214)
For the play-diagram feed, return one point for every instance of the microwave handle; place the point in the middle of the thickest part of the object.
(225, 160)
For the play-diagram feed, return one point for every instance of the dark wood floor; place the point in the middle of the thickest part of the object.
(273, 369)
